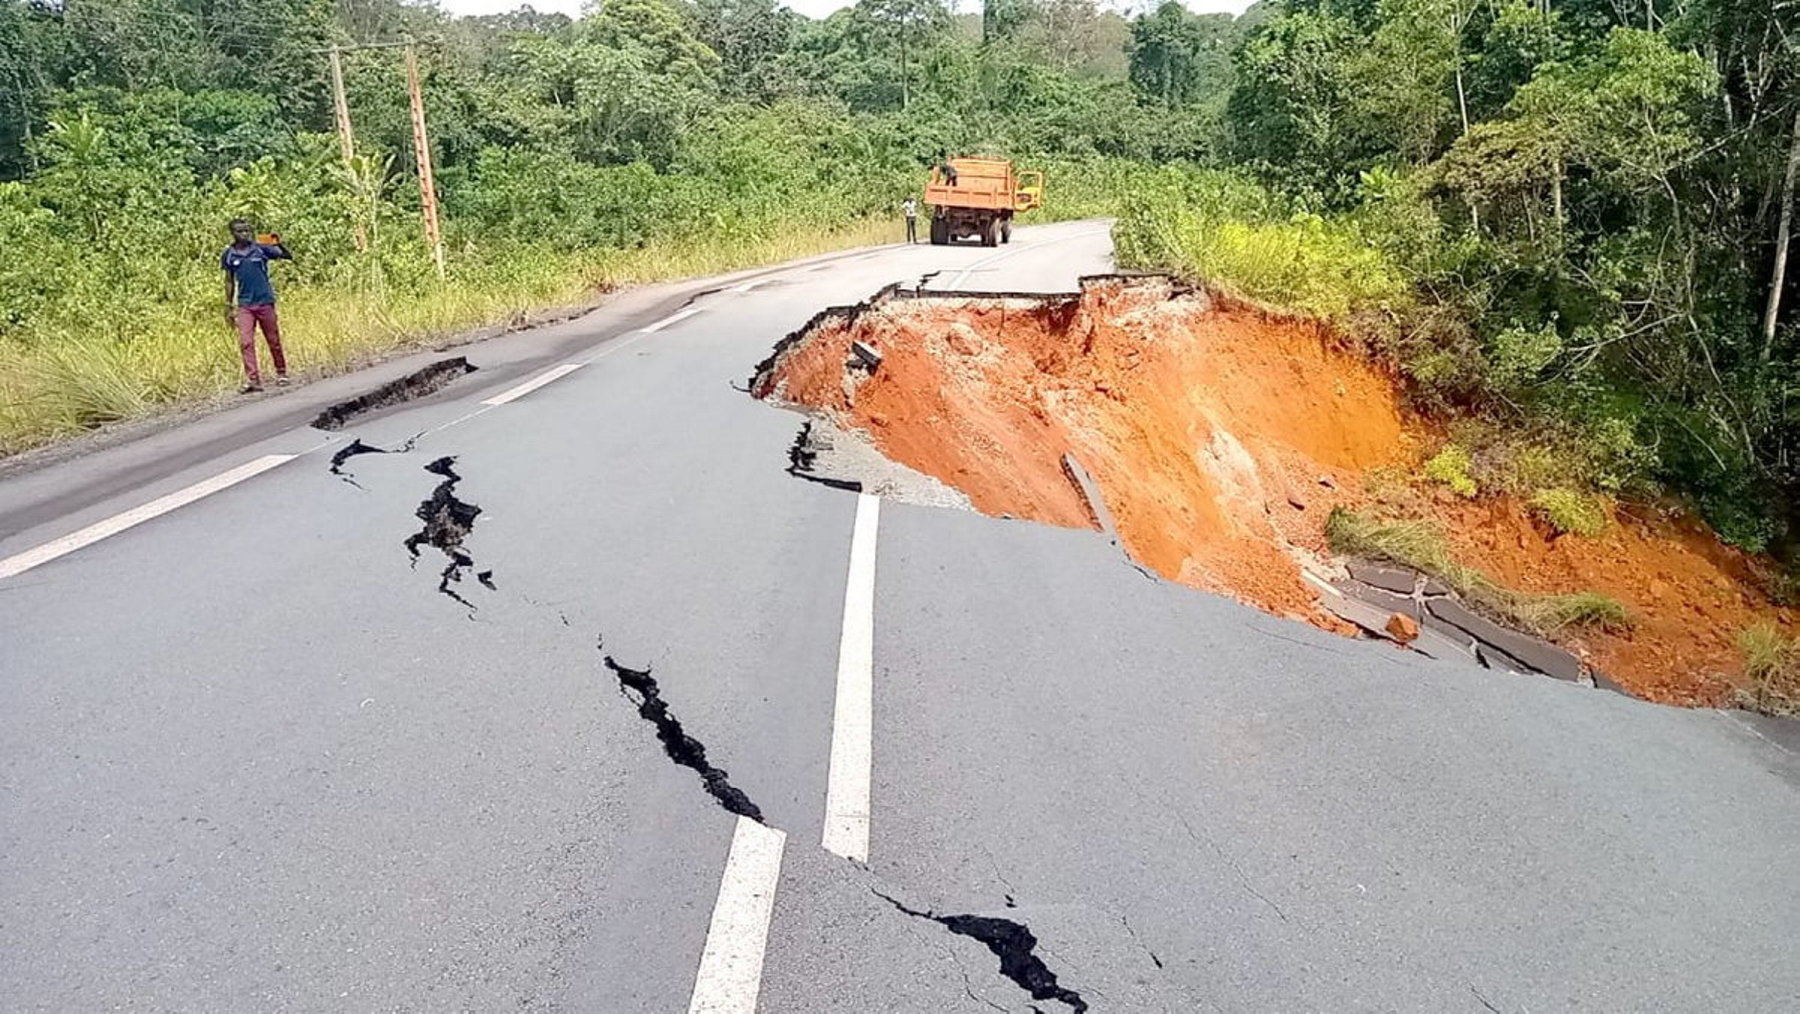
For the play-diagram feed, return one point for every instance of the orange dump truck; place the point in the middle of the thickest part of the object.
(982, 200)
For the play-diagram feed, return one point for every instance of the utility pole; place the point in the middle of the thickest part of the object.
(346, 138)
(422, 148)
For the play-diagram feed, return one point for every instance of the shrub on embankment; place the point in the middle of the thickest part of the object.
(1527, 398)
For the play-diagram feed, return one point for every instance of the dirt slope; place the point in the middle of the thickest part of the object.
(1221, 437)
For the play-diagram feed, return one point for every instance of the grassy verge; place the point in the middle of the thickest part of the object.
(1419, 544)
(64, 384)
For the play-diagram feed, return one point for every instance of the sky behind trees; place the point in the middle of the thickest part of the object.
(813, 8)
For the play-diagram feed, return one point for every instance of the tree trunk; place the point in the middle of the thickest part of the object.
(1462, 98)
(1556, 194)
(903, 86)
(1783, 235)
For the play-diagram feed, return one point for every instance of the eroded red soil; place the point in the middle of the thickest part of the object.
(1221, 437)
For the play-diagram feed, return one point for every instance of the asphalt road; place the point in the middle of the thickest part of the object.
(252, 760)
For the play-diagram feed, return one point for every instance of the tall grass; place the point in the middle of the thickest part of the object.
(1421, 546)
(1772, 665)
(1224, 230)
(74, 379)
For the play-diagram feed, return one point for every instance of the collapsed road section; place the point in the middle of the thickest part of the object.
(1221, 439)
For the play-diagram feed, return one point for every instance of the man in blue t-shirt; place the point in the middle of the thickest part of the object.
(250, 299)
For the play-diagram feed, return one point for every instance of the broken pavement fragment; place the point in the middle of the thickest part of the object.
(447, 522)
(1538, 654)
(682, 748)
(1014, 944)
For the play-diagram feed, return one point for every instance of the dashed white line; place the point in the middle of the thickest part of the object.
(22, 562)
(852, 720)
(730, 974)
(671, 318)
(533, 384)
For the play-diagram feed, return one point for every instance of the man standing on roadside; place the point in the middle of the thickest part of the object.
(911, 209)
(250, 299)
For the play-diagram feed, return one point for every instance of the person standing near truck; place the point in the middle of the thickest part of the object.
(910, 208)
(250, 299)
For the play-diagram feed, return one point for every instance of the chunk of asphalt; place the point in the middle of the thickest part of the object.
(1013, 943)
(1444, 643)
(1372, 619)
(1089, 491)
(682, 748)
(1494, 658)
(1374, 605)
(1380, 598)
(414, 385)
(1393, 579)
(867, 354)
(803, 456)
(447, 522)
(1539, 655)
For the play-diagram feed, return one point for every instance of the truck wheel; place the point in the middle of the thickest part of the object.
(990, 234)
(940, 232)
(1006, 231)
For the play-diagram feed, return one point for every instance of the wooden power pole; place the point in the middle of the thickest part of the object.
(346, 137)
(422, 149)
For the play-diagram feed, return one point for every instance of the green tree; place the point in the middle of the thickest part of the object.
(1177, 57)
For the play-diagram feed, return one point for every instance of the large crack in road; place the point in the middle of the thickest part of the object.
(1012, 942)
(356, 447)
(682, 748)
(447, 522)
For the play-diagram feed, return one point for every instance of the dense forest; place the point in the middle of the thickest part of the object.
(1565, 222)
(1569, 216)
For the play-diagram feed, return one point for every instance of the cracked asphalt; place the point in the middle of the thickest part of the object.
(251, 759)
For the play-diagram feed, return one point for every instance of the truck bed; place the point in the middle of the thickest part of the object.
(980, 183)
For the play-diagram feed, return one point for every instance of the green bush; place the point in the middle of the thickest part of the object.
(1450, 466)
(1569, 512)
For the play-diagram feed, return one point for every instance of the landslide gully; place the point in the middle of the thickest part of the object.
(1221, 436)
(1209, 428)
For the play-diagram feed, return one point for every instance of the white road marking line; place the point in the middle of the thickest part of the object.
(852, 720)
(606, 349)
(93, 533)
(533, 384)
(730, 974)
(672, 318)
(1319, 582)
(751, 284)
